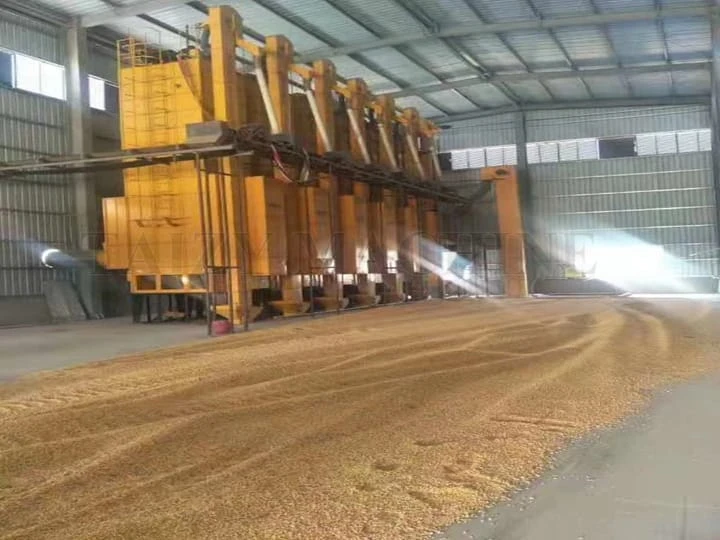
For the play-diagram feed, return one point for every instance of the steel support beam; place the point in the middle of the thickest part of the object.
(715, 114)
(511, 26)
(525, 192)
(580, 104)
(666, 48)
(552, 75)
(604, 29)
(86, 211)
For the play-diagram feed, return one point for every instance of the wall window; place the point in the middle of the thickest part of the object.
(39, 77)
(45, 78)
(617, 147)
(97, 92)
(27, 73)
(6, 69)
(103, 95)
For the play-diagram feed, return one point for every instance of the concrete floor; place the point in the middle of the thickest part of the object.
(655, 477)
(37, 348)
(28, 349)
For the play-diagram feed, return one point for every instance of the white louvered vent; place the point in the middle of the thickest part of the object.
(495, 156)
(476, 158)
(666, 143)
(533, 153)
(510, 155)
(705, 140)
(568, 150)
(645, 144)
(687, 141)
(588, 149)
(548, 152)
(459, 160)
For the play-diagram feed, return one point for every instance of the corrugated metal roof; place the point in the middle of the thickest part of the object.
(692, 82)
(440, 59)
(420, 104)
(637, 41)
(688, 38)
(150, 33)
(400, 66)
(181, 17)
(486, 95)
(568, 89)
(537, 49)
(332, 21)
(531, 91)
(682, 3)
(491, 53)
(607, 87)
(76, 7)
(623, 5)
(314, 25)
(651, 84)
(347, 67)
(504, 10)
(452, 100)
(586, 45)
(268, 23)
(559, 8)
(447, 12)
(388, 17)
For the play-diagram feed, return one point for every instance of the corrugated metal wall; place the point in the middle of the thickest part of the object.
(613, 122)
(493, 131)
(658, 200)
(102, 62)
(34, 213)
(471, 232)
(664, 200)
(31, 37)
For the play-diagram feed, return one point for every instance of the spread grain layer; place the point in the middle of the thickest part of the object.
(387, 423)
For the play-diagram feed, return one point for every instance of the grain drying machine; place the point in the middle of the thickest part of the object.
(322, 203)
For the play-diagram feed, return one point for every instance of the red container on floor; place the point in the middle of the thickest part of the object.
(221, 328)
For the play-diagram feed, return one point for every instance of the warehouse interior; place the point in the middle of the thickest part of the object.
(358, 268)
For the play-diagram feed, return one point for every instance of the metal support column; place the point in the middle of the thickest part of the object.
(524, 181)
(86, 211)
(715, 114)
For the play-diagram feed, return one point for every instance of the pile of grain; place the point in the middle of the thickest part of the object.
(382, 424)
